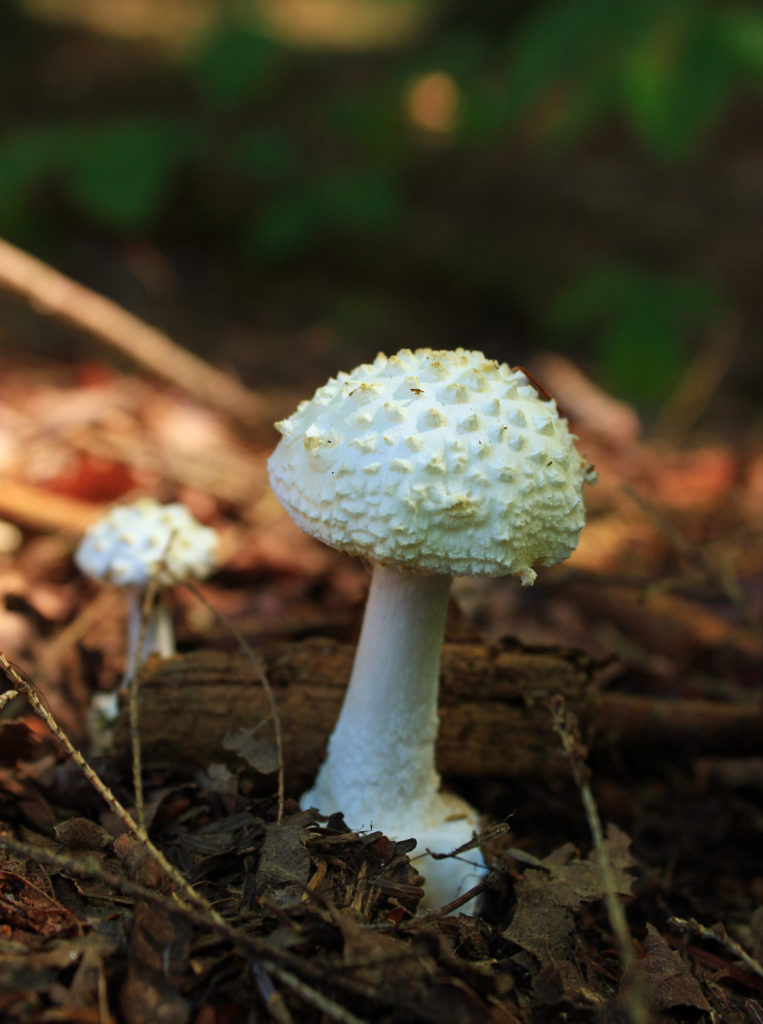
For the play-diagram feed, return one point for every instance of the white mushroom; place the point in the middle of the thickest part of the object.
(135, 544)
(430, 464)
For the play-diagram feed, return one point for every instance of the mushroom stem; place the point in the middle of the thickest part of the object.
(380, 763)
(158, 636)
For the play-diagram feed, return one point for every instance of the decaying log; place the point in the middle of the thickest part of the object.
(494, 709)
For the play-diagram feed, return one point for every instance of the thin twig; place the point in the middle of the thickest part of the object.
(271, 997)
(489, 835)
(26, 688)
(267, 953)
(718, 934)
(7, 697)
(434, 915)
(565, 726)
(312, 995)
(49, 291)
(699, 382)
(263, 679)
(103, 995)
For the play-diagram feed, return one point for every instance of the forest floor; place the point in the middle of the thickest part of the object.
(630, 674)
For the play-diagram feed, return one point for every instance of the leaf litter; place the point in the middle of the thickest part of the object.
(313, 922)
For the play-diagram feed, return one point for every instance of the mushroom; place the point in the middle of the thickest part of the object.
(135, 544)
(430, 465)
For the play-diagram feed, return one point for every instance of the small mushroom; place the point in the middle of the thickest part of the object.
(429, 464)
(135, 544)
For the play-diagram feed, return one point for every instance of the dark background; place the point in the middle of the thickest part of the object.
(288, 186)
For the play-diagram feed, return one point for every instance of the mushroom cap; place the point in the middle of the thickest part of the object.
(132, 544)
(436, 461)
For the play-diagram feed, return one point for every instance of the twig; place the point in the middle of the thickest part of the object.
(565, 726)
(51, 292)
(7, 697)
(449, 908)
(263, 679)
(44, 509)
(700, 381)
(312, 996)
(489, 835)
(267, 953)
(271, 997)
(26, 688)
(103, 995)
(718, 934)
(754, 1011)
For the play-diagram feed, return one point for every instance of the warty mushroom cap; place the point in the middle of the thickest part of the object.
(435, 461)
(132, 544)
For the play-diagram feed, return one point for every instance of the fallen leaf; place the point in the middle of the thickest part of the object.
(258, 753)
(669, 982)
(543, 923)
(25, 906)
(284, 867)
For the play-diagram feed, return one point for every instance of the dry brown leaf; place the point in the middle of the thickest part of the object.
(26, 907)
(544, 920)
(669, 982)
(260, 754)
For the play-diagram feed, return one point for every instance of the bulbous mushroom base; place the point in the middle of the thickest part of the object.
(449, 824)
(440, 825)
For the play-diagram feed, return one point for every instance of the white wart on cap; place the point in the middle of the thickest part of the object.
(436, 461)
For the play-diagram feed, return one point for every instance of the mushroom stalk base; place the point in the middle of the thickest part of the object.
(380, 769)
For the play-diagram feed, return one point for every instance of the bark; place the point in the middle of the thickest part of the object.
(494, 709)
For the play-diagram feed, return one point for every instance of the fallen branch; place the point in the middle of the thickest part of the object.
(43, 509)
(494, 709)
(51, 292)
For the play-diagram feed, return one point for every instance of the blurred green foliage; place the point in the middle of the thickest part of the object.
(235, 65)
(640, 321)
(667, 67)
(295, 152)
(119, 173)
